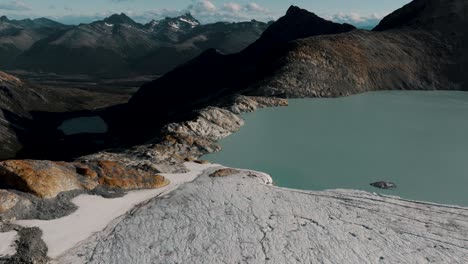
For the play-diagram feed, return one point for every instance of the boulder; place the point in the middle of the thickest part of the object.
(384, 185)
(46, 179)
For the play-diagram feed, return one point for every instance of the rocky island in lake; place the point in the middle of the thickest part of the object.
(95, 174)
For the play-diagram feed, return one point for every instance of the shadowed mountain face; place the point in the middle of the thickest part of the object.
(442, 15)
(119, 46)
(30, 115)
(17, 36)
(299, 23)
(302, 55)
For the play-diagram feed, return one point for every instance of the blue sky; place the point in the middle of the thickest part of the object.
(76, 11)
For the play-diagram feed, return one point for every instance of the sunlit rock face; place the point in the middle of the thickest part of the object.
(46, 179)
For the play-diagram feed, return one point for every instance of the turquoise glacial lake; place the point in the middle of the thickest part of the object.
(418, 140)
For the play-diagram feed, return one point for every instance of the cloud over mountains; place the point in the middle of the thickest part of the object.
(14, 5)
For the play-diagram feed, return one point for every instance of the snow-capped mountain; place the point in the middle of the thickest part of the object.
(171, 29)
(118, 45)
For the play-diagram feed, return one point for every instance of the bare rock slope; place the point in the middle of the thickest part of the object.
(239, 219)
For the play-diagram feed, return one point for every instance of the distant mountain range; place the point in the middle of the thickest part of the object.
(117, 45)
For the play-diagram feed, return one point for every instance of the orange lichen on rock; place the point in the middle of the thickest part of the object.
(46, 179)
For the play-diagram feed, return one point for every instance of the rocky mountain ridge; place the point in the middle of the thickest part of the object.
(16, 36)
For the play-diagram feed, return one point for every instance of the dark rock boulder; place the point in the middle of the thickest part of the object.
(384, 185)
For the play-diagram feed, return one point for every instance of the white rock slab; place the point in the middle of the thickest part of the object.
(7, 243)
(239, 219)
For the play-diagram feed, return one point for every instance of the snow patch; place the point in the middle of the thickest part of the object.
(109, 25)
(191, 22)
(94, 213)
(174, 25)
(7, 243)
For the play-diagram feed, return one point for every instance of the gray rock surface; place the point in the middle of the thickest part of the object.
(239, 219)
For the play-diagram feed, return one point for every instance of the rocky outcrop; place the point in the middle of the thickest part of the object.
(245, 104)
(211, 124)
(42, 178)
(224, 172)
(239, 219)
(46, 179)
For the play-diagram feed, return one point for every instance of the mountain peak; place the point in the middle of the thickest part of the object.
(119, 19)
(300, 23)
(4, 19)
(188, 15)
(295, 10)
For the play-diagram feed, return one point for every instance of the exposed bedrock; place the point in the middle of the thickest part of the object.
(239, 219)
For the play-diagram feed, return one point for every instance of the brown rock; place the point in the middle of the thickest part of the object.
(46, 179)
(86, 171)
(190, 159)
(115, 174)
(7, 200)
(224, 172)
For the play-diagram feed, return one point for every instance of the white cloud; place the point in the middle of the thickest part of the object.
(207, 12)
(254, 7)
(15, 5)
(203, 10)
(232, 7)
(356, 19)
(202, 7)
